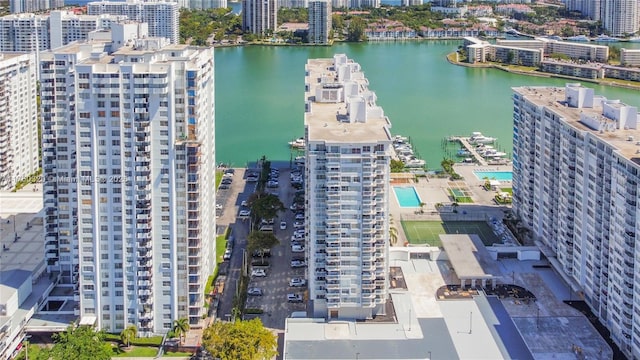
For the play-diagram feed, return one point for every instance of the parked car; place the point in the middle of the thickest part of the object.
(226, 181)
(294, 298)
(299, 216)
(244, 203)
(283, 225)
(258, 273)
(298, 224)
(227, 254)
(260, 262)
(297, 282)
(298, 263)
(223, 187)
(255, 291)
(297, 248)
(244, 212)
(230, 171)
(262, 253)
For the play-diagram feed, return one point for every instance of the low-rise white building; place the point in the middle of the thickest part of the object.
(630, 57)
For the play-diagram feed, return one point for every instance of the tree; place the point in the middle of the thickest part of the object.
(180, 328)
(128, 334)
(81, 343)
(355, 31)
(258, 240)
(247, 340)
(397, 166)
(35, 352)
(265, 205)
(393, 232)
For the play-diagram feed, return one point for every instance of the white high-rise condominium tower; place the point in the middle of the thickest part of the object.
(576, 171)
(348, 152)
(621, 17)
(129, 165)
(23, 6)
(18, 119)
(258, 16)
(319, 21)
(162, 17)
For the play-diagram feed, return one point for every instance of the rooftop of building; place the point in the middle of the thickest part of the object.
(623, 139)
(469, 257)
(329, 121)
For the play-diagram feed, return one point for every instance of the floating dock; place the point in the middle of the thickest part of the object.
(470, 148)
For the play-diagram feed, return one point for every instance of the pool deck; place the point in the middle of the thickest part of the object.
(436, 190)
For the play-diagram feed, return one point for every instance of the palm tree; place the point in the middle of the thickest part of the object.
(128, 334)
(393, 235)
(180, 328)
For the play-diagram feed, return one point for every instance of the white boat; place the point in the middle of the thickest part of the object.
(606, 38)
(414, 163)
(579, 38)
(478, 138)
(298, 143)
(463, 152)
(400, 139)
(635, 39)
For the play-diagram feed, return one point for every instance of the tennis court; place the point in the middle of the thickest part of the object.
(427, 232)
(459, 192)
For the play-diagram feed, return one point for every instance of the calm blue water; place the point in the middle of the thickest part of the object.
(407, 196)
(494, 175)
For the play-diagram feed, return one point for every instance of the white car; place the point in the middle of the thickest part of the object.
(298, 263)
(255, 291)
(283, 225)
(227, 254)
(299, 232)
(297, 248)
(258, 273)
(299, 216)
(244, 203)
(244, 212)
(218, 206)
(297, 282)
(294, 298)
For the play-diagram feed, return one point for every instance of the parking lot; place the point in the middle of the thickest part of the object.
(275, 285)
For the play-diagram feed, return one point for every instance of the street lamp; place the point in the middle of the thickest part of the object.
(25, 343)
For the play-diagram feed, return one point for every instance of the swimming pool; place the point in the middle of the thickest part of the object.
(407, 196)
(494, 175)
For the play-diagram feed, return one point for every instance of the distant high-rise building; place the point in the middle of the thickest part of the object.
(161, 16)
(129, 169)
(319, 21)
(576, 172)
(293, 4)
(358, 4)
(339, 4)
(621, 17)
(259, 16)
(348, 152)
(18, 119)
(27, 6)
(21, 32)
(205, 4)
(411, 2)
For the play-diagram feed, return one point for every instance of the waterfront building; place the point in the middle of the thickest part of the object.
(290, 4)
(128, 159)
(28, 6)
(622, 73)
(621, 17)
(514, 55)
(19, 150)
(630, 57)
(574, 50)
(570, 68)
(339, 4)
(389, 30)
(575, 184)
(161, 16)
(359, 4)
(348, 152)
(259, 17)
(319, 21)
(23, 31)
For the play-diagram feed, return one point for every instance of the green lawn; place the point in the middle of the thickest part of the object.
(507, 190)
(219, 174)
(221, 245)
(460, 196)
(136, 351)
(427, 232)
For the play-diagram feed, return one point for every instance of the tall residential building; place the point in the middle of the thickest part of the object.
(25, 6)
(348, 152)
(18, 119)
(205, 4)
(359, 4)
(576, 170)
(621, 17)
(22, 32)
(258, 16)
(128, 158)
(319, 21)
(161, 16)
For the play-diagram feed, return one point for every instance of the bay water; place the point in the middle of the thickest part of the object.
(260, 96)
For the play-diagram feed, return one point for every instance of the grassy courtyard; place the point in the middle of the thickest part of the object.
(427, 232)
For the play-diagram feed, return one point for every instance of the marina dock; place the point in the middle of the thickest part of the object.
(470, 148)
